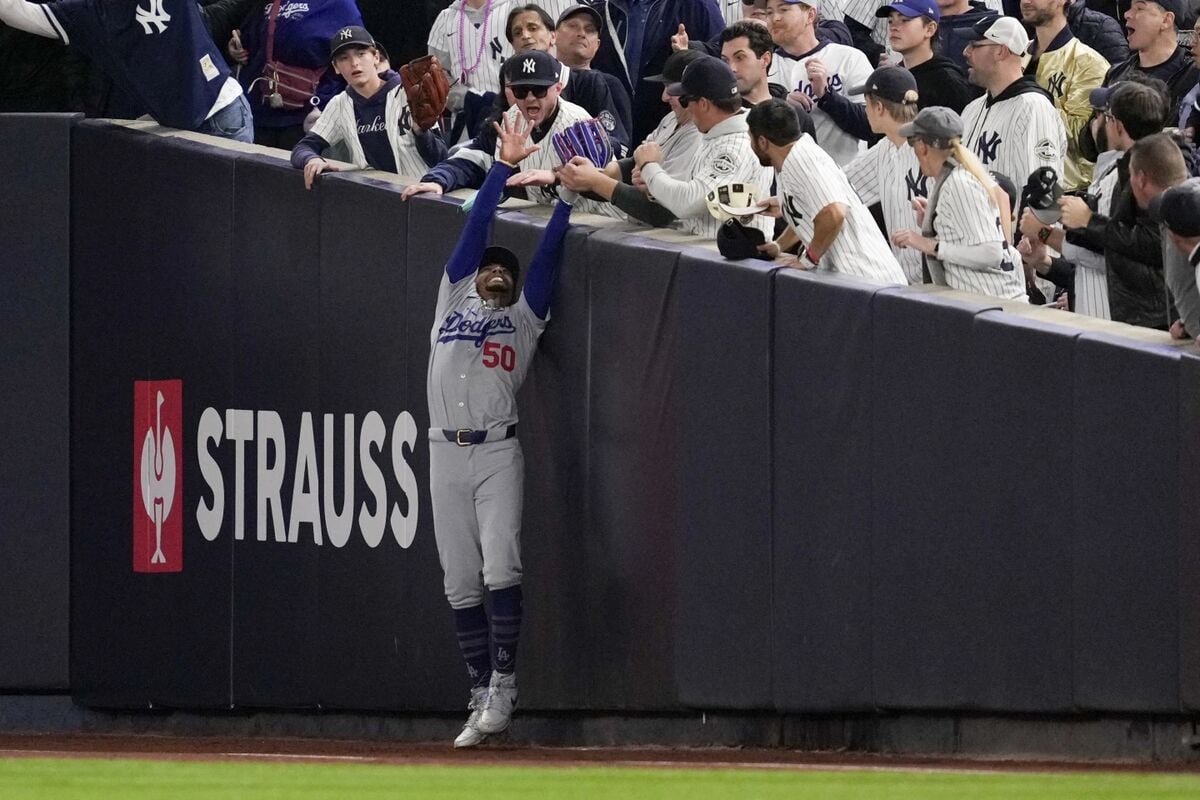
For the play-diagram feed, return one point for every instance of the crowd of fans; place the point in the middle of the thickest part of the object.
(1040, 149)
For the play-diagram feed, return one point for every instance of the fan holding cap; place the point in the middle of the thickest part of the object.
(817, 202)
(1014, 128)
(963, 238)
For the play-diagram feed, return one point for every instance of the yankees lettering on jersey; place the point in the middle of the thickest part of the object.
(1056, 84)
(1016, 132)
(472, 43)
(916, 184)
(889, 174)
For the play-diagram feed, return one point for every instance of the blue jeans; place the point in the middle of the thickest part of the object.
(234, 121)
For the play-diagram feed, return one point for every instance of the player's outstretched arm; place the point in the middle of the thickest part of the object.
(464, 260)
(543, 269)
(31, 18)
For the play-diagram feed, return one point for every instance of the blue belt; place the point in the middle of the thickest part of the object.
(464, 437)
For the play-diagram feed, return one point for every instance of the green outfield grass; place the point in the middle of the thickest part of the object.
(120, 779)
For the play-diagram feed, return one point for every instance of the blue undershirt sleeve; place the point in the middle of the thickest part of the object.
(431, 146)
(473, 241)
(543, 269)
(308, 148)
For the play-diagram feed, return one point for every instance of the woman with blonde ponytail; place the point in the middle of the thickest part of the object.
(965, 235)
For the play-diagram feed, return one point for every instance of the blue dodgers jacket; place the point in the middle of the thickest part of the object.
(703, 21)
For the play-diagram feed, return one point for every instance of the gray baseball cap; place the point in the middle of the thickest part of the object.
(935, 125)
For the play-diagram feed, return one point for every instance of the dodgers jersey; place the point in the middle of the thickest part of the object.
(159, 51)
(807, 183)
(479, 358)
(890, 175)
(847, 67)
(963, 217)
(1016, 132)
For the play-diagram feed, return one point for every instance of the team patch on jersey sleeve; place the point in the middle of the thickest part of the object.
(724, 164)
(606, 119)
(1046, 150)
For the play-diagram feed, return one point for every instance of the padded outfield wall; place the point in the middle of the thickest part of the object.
(748, 489)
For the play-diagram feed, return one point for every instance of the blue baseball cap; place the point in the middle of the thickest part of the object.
(912, 8)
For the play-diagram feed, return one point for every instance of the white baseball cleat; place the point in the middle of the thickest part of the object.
(501, 700)
(471, 734)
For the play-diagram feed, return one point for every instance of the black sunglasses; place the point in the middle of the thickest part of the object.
(521, 92)
(684, 99)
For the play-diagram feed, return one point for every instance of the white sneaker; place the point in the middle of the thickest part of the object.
(471, 735)
(501, 700)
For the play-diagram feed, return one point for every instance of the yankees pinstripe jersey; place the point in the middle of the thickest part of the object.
(731, 10)
(724, 157)
(566, 115)
(472, 44)
(808, 182)
(339, 124)
(889, 174)
(972, 255)
(847, 67)
(679, 143)
(1091, 282)
(1016, 132)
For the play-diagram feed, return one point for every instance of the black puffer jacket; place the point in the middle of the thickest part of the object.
(1132, 247)
(1098, 31)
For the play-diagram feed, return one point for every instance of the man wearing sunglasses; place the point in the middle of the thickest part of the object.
(532, 85)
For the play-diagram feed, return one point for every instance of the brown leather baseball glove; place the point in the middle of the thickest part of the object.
(427, 90)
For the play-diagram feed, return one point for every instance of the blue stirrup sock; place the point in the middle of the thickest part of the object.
(472, 626)
(506, 628)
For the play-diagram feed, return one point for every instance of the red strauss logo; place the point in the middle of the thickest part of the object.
(157, 476)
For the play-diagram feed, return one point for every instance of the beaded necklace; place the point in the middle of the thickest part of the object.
(462, 35)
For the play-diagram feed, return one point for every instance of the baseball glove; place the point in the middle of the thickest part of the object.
(586, 138)
(427, 90)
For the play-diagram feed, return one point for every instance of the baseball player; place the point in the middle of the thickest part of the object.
(888, 173)
(468, 37)
(164, 58)
(708, 89)
(963, 236)
(809, 68)
(817, 202)
(1014, 127)
(483, 339)
(371, 116)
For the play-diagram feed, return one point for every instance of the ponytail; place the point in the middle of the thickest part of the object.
(967, 160)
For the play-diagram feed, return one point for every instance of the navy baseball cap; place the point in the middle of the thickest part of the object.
(534, 68)
(735, 240)
(1099, 97)
(707, 77)
(676, 63)
(1042, 193)
(1179, 208)
(936, 125)
(890, 83)
(912, 8)
(350, 36)
(504, 257)
(580, 8)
